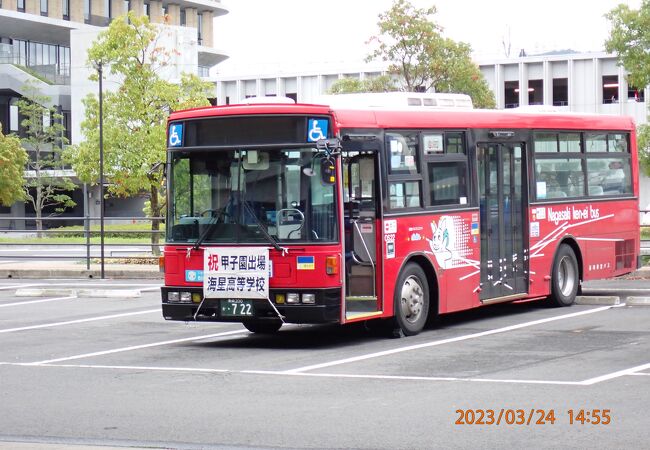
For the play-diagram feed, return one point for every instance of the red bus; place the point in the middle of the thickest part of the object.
(303, 213)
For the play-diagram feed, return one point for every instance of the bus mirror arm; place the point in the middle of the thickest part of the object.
(331, 147)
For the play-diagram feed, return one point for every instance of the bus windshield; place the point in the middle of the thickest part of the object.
(250, 196)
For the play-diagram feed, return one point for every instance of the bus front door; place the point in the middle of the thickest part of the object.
(361, 210)
(504, 255)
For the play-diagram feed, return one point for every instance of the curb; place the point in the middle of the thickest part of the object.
(96, 293)
(638, 301)
(597, 300)
(69, 273)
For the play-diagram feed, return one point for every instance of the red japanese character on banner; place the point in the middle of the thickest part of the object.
(213, 262)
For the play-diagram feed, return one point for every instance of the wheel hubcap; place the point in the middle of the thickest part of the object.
(412, 299)
(566, 276)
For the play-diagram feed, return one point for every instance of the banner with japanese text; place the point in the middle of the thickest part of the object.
(236, 272)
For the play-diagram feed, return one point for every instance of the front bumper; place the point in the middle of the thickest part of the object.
(327, 308)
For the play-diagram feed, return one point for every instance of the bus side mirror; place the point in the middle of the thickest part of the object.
(327, 172)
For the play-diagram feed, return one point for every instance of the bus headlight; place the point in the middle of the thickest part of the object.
(172, 296)
(293, 297)
(309, 299)
(186, 297)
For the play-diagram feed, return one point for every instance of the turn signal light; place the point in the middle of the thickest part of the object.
(332, 265)
(161, 264)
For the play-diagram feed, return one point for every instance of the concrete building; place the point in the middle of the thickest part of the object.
(45, 41)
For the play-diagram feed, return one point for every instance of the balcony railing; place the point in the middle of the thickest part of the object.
(53, 73)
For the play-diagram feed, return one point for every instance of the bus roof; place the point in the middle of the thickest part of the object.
(400, 118)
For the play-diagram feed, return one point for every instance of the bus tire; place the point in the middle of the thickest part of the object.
(266, 327)
(565, 277)
(411, 300)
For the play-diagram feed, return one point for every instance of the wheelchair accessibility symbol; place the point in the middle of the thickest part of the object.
(317, 130)
(176, 135)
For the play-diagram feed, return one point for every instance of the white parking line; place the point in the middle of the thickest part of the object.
(38, 301)
(17, 285)
(70, 322)
(137, 347)
(616, 374)
(408, 377)
(588, 382)
(640, 374)
(444, 341)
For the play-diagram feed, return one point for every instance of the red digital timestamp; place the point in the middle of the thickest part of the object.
(533, 416)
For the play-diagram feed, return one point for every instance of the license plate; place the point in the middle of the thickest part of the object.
(236, 307)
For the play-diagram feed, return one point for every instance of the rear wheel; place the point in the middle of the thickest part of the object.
(266, 327)
(565, 278)
(411, 300)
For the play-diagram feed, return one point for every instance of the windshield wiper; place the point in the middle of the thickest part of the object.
(208, 230)
(260, 225)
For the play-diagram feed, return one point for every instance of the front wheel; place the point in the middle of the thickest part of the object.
(411, 300)
(565, 278)
(266, 327)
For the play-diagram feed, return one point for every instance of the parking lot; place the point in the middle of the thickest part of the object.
(99, 366)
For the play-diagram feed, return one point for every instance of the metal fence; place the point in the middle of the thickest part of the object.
(87, 250)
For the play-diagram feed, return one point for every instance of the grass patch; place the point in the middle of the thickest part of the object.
(128, 233)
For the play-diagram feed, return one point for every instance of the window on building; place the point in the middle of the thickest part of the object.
(635, 95)
(560, 91)
(183, 18)
(87, 10)
(108, 6)
(65, 9)
(20, 5)
(147, 10)
(535, 92)
(44, 6)
(199, 21)
(610, 89)
(511, 94)
(292, 95)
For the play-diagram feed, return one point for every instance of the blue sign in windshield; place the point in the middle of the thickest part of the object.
(317, 130)
(176, 135)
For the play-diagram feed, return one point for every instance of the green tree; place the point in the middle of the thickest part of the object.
(423, 59)
(13, 158)
(135, 115)
(43, 136)
(630, 40)
(347, 85)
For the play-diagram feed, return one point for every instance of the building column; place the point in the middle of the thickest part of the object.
(33, 7)
(570, 84)
(622, 91)
(238, 92)
(77, 11)
(280, 87)
(499, 86)
(97, 8)
(117, 8)
(137, 6)
(174, 14)
(523, 84)
(208, 22)
(191, 21)
(299, 93)
(156, 12)
(598, 85)
(547, 83)
(55, 9)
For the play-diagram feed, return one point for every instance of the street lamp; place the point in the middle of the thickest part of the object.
(98, 66)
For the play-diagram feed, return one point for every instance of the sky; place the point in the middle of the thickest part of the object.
(263, 36)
